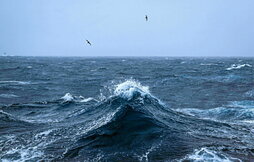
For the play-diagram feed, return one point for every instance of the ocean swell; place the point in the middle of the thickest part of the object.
(235, 112)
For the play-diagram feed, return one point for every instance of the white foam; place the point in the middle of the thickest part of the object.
(67, 97)
(128, 88)
(26, 154)
(205, 154)
(1, 111)
(249, 93)
(15, 82)
(248, 121)
(208, 64)
(144, 157)
(41, 134)
(88, 99)
(238, 66)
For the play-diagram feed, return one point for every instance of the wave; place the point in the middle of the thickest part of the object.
(205, 154)
(208, 64)
(127, 117)
(15, 82)
(131, 88)
(10, 124)
(67, 97)
(8, 95)
(126, 90)
(249, 93)
(238, 66)
(242, 111)
(88, 99)
(70, 98)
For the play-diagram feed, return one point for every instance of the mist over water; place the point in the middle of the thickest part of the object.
(126, 109)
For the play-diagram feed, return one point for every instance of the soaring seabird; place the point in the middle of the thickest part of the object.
(87, 41)
(146, 18)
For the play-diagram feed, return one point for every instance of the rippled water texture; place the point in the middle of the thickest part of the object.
(126, 109)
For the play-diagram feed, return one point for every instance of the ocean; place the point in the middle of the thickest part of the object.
(126, 109)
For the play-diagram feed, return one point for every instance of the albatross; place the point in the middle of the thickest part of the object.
(88, 42)
(146, 17)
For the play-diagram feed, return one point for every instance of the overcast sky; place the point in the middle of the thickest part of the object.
(118, 27)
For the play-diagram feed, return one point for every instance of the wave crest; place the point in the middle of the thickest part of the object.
(131, 88)
(205, 154)
(238, 66)
(67, 97)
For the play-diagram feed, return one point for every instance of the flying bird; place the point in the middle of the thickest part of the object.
(146, 17)
(88, 42)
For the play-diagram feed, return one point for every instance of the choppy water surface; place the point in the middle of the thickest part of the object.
(126, 109)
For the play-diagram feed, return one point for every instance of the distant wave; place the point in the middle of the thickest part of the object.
(8, 95)
(88, 99)
(207, 64)
(249, 93)
(70, 98)
(238, 66)
(67, 97)
(10, 68)
(14, 82)
(236, 111)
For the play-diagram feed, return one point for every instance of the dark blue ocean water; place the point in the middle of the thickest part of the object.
(126, 109)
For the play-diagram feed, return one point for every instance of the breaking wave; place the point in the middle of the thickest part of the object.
(70, 98)
(238, 66)
(205, 154)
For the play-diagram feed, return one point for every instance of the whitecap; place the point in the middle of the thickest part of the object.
(205, 154)
(43, 134)
(238, 66)
(14, 82)
(8, 95)
(67, 97)
(249, 93)
(208, 64)
(129, 88)
(26, 154)
(88, 99)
